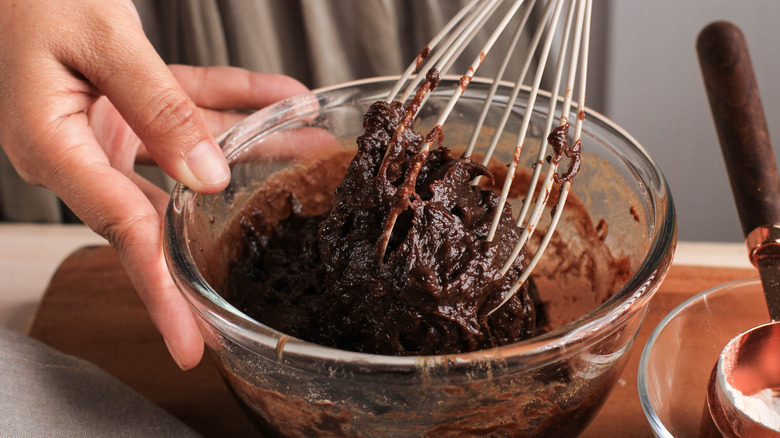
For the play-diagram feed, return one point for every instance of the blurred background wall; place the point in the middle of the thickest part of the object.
(653, 89)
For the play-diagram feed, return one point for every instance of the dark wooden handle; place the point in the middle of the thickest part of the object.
(740, 123)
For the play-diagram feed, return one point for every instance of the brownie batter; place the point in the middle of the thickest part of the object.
(310, 266)
(338, 279)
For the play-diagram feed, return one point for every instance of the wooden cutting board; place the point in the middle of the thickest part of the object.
(90, 311)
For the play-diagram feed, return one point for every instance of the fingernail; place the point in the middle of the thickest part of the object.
(173, 354)
(207, 163)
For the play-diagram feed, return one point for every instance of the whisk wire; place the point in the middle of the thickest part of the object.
(450, 56)
(464, 81)
(446, 31)
(494, 87)
(450, 44)
(455, 41)
(541, 200)
(510, 175)
(581, 42)
(542, 153)
(446, 60)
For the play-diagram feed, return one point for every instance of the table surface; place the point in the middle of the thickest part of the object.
(32, 252)
(40, 250)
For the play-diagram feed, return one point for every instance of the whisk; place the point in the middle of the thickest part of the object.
(441, 53)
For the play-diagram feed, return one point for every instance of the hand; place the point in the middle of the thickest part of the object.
(85, 96)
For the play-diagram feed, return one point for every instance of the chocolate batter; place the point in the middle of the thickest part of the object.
(426, 288)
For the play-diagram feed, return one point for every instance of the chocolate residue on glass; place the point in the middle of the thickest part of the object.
(559, 141)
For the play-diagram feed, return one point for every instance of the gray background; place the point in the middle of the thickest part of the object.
(652, 87)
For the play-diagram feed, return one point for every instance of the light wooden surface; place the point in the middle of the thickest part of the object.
(90, 310)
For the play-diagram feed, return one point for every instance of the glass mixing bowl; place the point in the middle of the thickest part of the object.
(682, 350)
(613, 247)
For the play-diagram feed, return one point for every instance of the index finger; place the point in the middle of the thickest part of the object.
(115, 56)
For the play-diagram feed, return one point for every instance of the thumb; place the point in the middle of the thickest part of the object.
(125, 67)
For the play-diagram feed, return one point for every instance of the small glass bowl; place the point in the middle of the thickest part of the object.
(550, 385)
(683, 349)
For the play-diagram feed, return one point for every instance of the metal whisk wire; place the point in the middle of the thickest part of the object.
(448, 45)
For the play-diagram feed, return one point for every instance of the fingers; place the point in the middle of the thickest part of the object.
(123, 65)
(228, 88)
(220, 121)
(57, 59)
(120, 137)
(156, 196)
(217, 88)
(123, 147)
(119, 211)
(47, 49)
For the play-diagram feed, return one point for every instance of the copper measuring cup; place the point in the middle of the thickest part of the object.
(751, 361)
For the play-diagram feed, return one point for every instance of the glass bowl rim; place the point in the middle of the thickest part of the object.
(529, 354)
